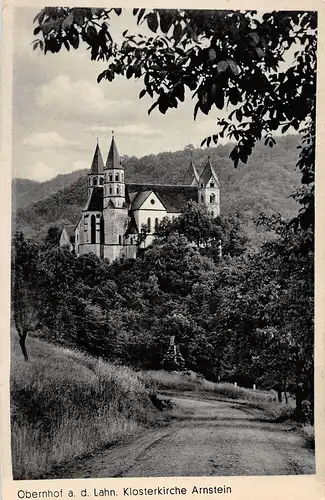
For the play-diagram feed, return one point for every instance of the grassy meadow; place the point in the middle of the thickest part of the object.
(65, 404)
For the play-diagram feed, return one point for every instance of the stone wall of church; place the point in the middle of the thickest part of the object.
(115, 225)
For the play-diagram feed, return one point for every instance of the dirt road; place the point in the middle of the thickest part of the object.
(215, 438)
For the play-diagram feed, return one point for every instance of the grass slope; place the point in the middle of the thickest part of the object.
(65, 404)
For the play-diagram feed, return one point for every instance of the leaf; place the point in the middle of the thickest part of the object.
(152, 21)
(260, 52)
(285, 128)
(196, 109)
(219, 99)
(178, 33)
(222, 66)
(37, 30)
(140, 15)
(239, 115)
(233, 66)
(142, 93)
(91, 32)
(212, 55)
(118, 11)
(129, 72)
(153, 107)
(255, 37)
(234, 96)
(74, 41)
(166, 20)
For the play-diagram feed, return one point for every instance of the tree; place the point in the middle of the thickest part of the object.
(53, 237)
(26, 297)
(207, 232)
(234, 59)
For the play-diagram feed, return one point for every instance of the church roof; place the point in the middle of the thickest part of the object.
(207, 173)
(132, 227)
(97, 165)
(113, 159)
(191, 175)
(70, 230)
(95, 200)
(172, 197)
(139, 198)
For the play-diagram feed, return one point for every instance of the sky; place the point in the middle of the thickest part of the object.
(59, 110)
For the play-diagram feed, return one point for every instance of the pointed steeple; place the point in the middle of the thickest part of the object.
(191, 177)
(97, 166)
(207, 173)
(113, 159)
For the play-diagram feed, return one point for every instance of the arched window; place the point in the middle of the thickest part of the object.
(110, 190)
(149, 224)
(212, 184)
(202, 185)
(93, 229)
(131, 240)
(156, 223)
(101, 181)
(120, 240)
(95, 181)
(117, 190)
(101, 230)
(110, 177)
(116, 177)
(212, 198)
(202, 198)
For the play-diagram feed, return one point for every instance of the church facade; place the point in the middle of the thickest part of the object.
(120, 217)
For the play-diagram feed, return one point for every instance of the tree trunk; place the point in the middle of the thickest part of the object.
(280, 395)
(285, 391)
(299, 409)
(22, 342)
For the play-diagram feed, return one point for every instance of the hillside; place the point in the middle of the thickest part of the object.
(263, 185)
(26, 191)
(59, 409)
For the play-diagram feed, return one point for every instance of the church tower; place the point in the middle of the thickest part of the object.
(96, 172)
(209, 189)
(115, 212)
(114, 187)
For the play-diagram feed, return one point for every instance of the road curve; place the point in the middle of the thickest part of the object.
(216, 438)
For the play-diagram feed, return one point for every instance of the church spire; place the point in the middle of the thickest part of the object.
(96, 172)
(97, 165)
(191, 177)
(207, 174)
(113, 159)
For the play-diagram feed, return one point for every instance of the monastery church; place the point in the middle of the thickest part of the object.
(116, 211)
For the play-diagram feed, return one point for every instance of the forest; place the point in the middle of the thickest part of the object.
(245, 316)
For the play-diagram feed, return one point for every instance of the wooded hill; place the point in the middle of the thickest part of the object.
(26, 192)
(264, 184)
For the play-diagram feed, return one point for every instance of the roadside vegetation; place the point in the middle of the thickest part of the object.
(161, 380)
(66, 404)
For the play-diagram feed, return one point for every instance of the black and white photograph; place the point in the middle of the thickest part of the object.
(162, 244)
